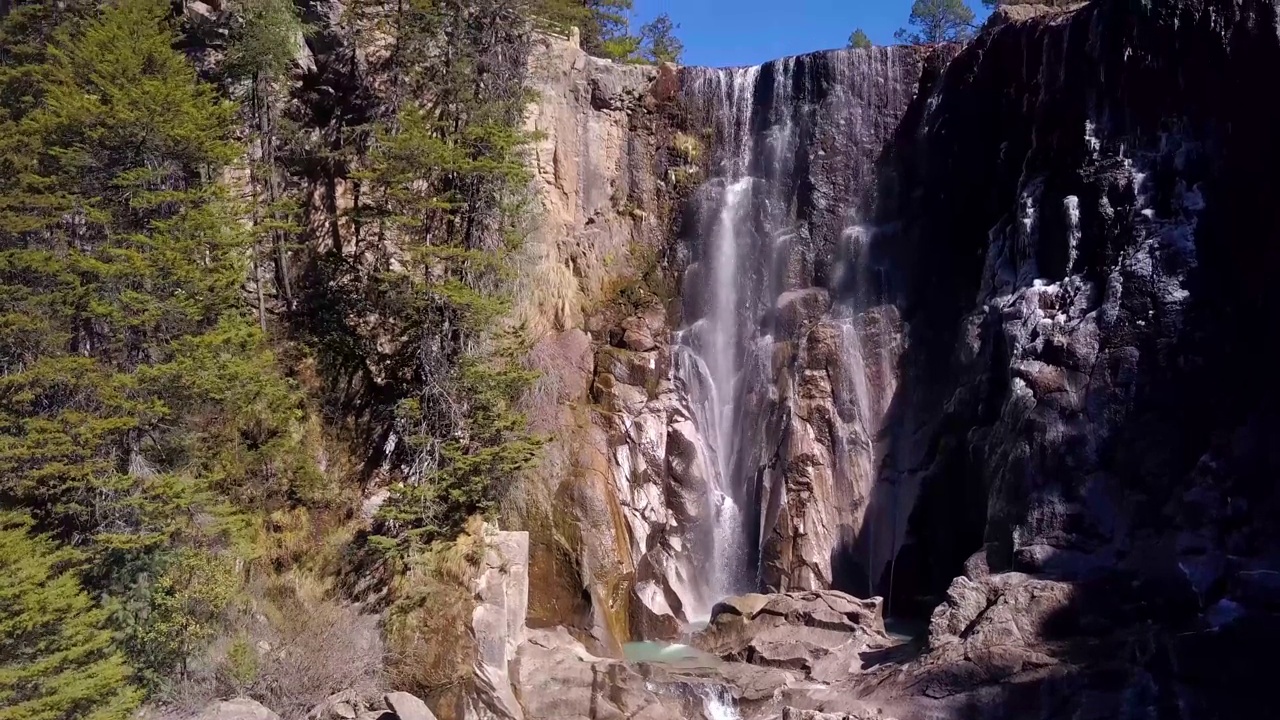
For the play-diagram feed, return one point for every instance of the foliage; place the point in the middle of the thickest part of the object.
(938, 21)
(658, 41)
(180, 611)
(290, 645)
(606, 30)
(442, 200)
(142, 415)
(430, 646)
(859, 40)
(57, 661)
(264, 38)
(134, 384)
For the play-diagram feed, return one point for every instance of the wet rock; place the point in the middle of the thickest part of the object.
(560, 680)
(1258, 589)
(795, 310)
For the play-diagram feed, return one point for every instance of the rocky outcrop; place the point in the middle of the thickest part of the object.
(560, 679)
(599, 167)
(241, 708)
(1076, 220)
(820, 635)
(408, 707)
(347, 705)
(501, 590)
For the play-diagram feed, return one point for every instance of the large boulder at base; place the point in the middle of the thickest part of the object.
(241, 708)
(347, 705)
(498, 624)
(408, 707)
(820, 633)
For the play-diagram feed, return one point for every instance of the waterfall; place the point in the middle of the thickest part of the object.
(744, 232)
(786, 355)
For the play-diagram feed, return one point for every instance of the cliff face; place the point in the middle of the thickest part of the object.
(600, 157)
(1078, 227)
(1000, 316)
(980, 330)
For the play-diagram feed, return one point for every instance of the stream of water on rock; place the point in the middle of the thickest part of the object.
(779, 305)
(742, 231)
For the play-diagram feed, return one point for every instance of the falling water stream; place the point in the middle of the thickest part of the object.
(775, 229)
(743, 234)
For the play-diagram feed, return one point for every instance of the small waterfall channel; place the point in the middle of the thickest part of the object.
(713, 700)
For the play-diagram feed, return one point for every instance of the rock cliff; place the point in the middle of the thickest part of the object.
(995, 347)
(1078, 224)
(980, 330)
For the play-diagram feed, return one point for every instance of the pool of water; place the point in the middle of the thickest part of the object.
(672, 654)
(904, 630)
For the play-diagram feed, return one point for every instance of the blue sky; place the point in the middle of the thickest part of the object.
(747, 32)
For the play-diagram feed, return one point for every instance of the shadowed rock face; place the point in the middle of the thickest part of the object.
(1082, 220)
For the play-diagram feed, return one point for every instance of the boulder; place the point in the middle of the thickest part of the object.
(346, 705)
(819, 634)
(408, 707)
(560, 680)
(797, 310)
(498, 624)
(636, 334)
(241, 708)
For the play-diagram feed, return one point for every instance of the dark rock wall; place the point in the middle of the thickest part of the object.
(1083, 228)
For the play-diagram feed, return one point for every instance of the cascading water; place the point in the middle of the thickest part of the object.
(744, 232)
(785, 356)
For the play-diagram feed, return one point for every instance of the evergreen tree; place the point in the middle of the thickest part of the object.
(134, 386)
(659, 42)
(938, 21)
(607, 31)
(441, 186)
(859, 40)
(264, 41)
(57, 661)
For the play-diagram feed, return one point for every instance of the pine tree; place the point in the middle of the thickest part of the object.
(57, 660)
(607, 31)
(135, 389)
(439, 196)
(264, 42)
(859, 40)
(659, 42)
(938, 21)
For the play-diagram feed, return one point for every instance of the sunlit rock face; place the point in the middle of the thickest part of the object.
(963, 312)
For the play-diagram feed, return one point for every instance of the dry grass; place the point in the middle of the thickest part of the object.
(546, 294)
(290, 647)
(428, 630)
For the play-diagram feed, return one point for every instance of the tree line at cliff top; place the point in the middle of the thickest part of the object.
(932, 22)
(606, 28)
(607, 33)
